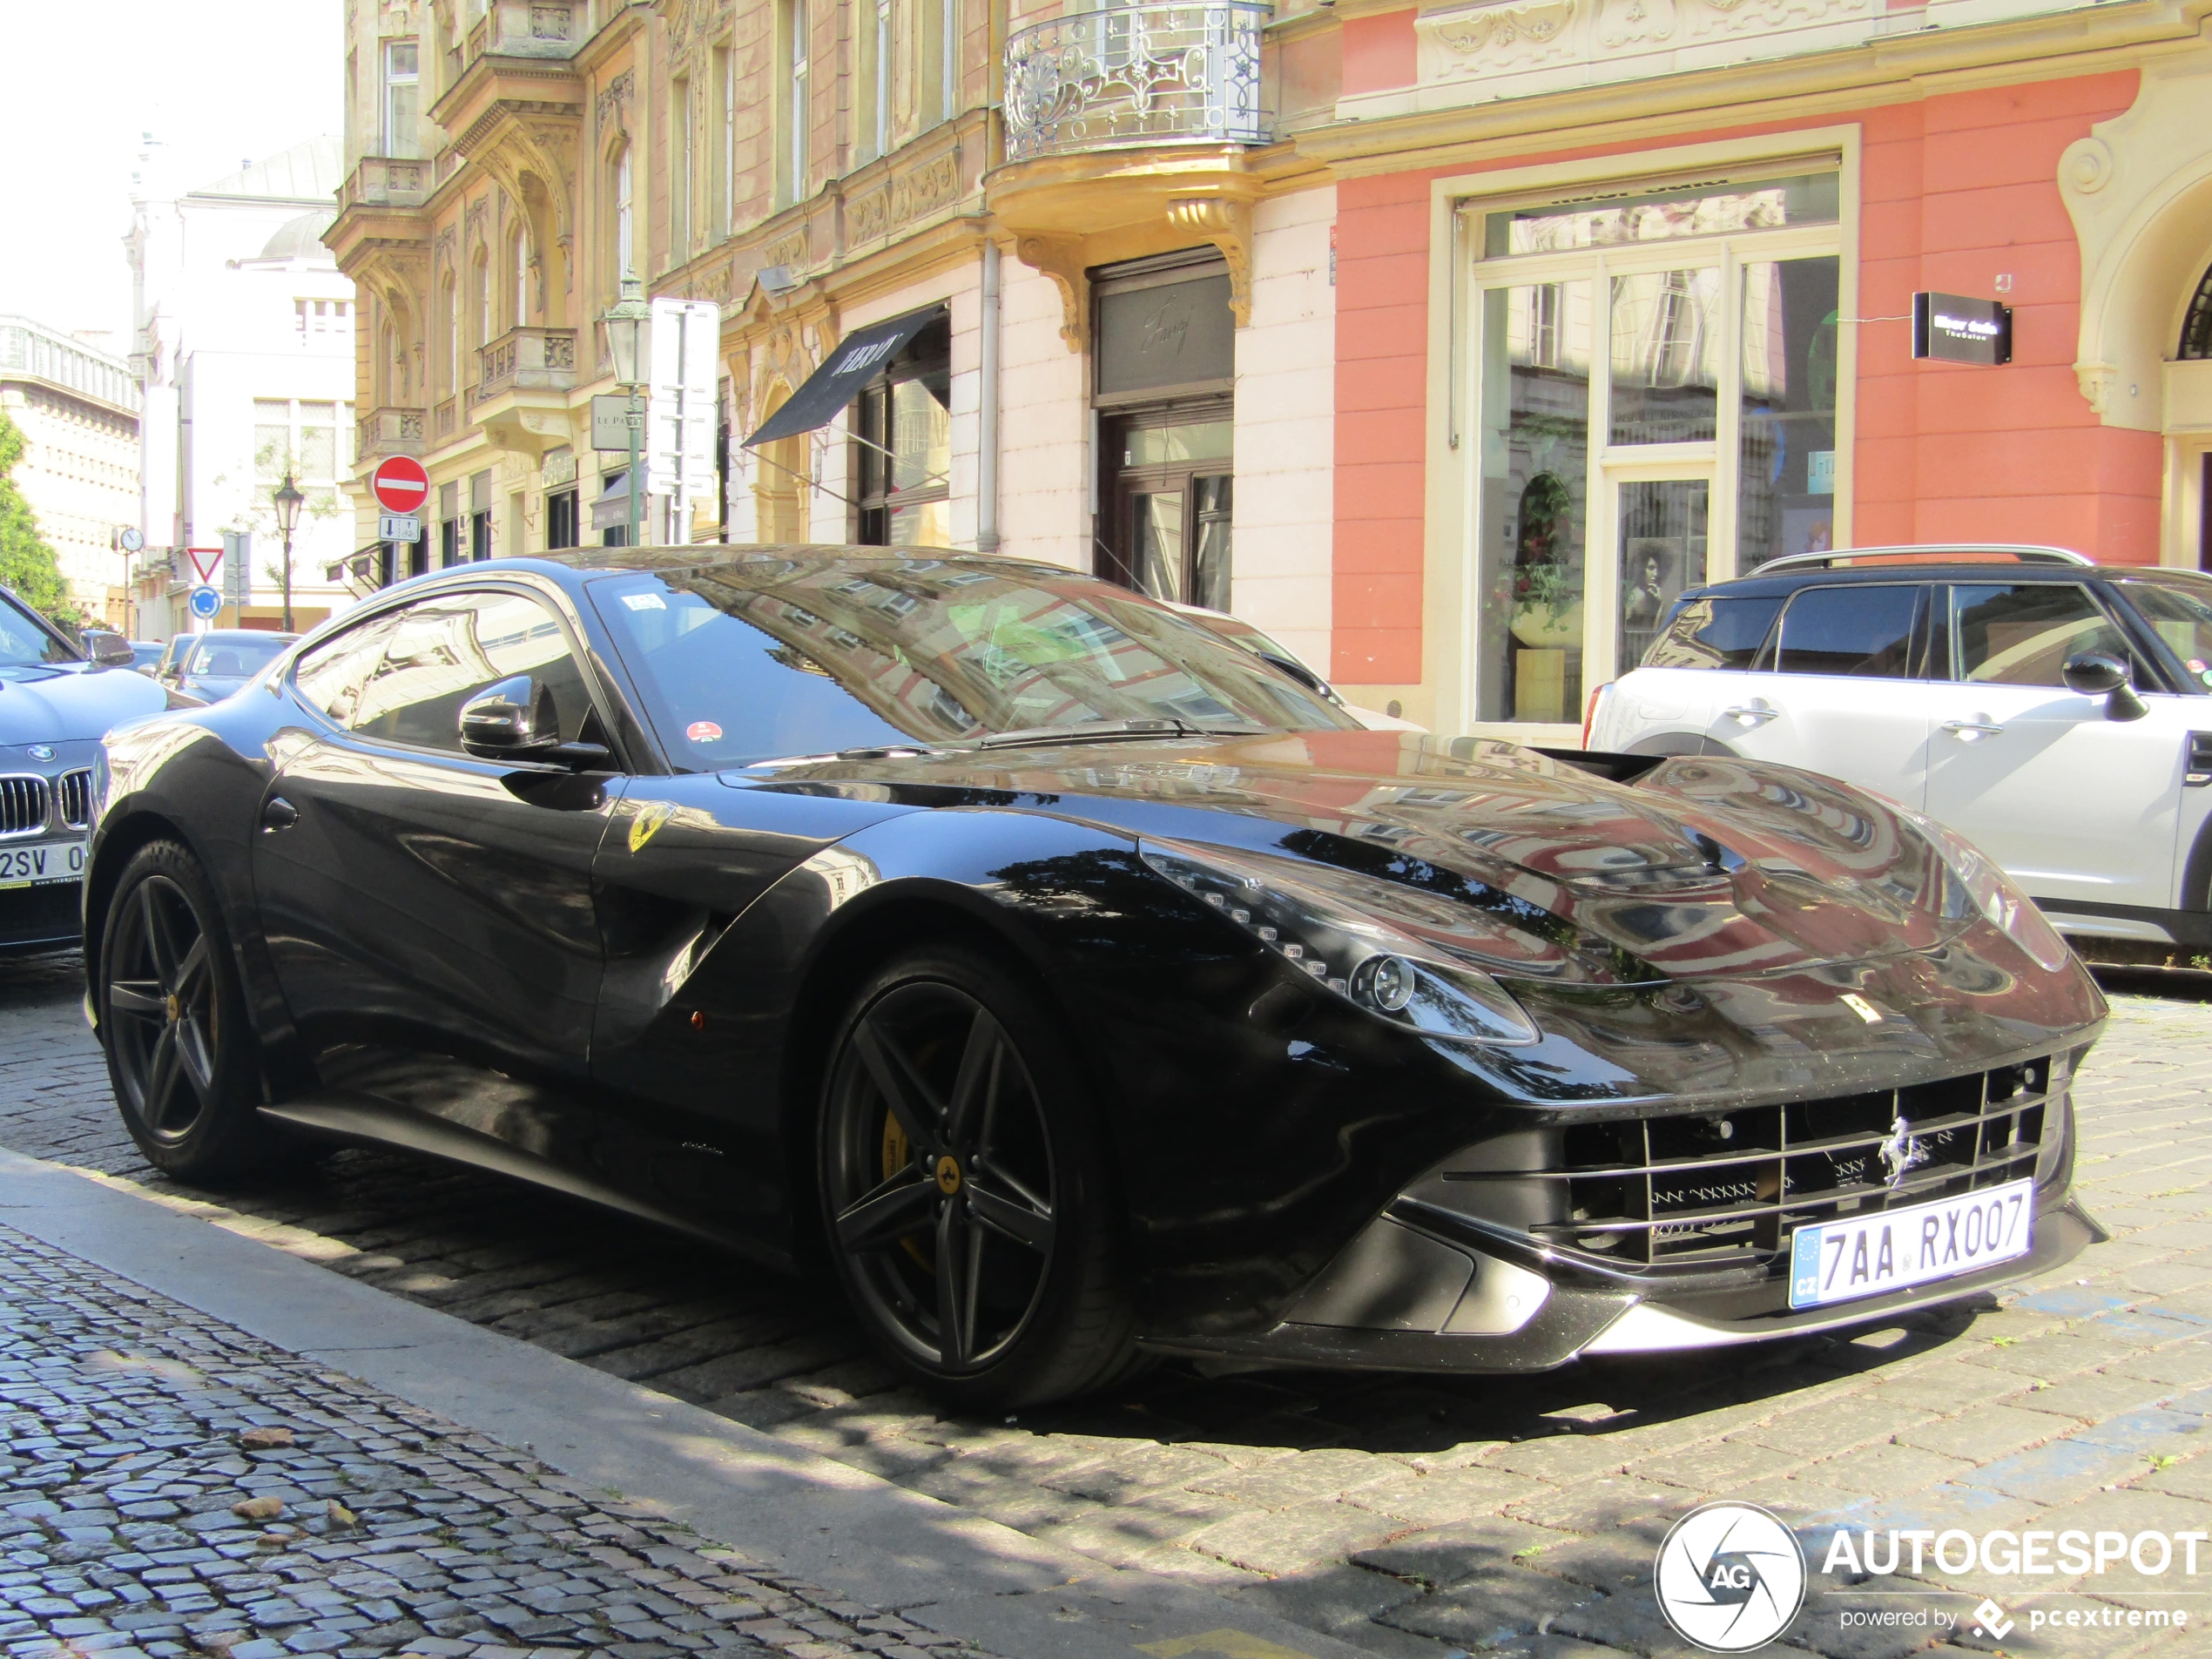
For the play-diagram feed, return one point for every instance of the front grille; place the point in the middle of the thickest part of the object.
(23, 806)
(1727, 1188)
(74, 791)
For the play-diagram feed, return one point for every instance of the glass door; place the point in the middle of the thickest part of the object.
(1169, 528)
(1661, 545)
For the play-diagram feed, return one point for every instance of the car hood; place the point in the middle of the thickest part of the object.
(1692, 867)
(70, 702)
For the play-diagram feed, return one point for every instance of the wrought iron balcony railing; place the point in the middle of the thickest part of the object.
(1145, 74)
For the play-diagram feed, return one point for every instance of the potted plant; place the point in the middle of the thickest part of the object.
(1547, 591)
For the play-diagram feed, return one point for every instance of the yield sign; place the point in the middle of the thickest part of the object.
(206, 561)
(400, 484)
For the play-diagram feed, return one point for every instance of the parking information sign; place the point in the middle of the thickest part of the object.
(205, 601)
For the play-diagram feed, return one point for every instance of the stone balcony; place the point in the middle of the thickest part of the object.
(526, 358)
(1152, 73)
(521, 398)
(528, 29)
(387, 181)
(390, 432)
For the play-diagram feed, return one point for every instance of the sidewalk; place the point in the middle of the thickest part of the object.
(413, 1484)
(174, 1485)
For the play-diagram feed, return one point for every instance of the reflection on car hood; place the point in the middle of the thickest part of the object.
(1700, 868)
(68, 702)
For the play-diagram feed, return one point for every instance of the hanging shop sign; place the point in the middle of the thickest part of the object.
(1954, 329)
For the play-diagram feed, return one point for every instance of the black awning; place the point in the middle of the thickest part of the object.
(859, 357)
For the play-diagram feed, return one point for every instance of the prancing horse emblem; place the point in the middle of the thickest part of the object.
(1901, 1152)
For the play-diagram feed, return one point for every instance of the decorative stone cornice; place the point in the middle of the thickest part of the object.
(1464, 117)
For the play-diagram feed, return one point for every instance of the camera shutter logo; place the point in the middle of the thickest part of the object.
(1729, 1577)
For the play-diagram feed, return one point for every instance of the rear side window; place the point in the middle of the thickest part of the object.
(2021, 633)
(1713, 633)
(1863, 629)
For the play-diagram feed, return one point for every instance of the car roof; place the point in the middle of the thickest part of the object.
(242, 633)
(1921, 562)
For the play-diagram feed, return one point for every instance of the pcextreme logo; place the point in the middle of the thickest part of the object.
(1729, 1577)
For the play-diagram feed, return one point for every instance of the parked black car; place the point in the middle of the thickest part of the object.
(55, 703)
(1079, 986)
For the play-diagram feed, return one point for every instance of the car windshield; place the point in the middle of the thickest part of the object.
(233, 659)
(767, 657)
(24, 643)
(2178, 606)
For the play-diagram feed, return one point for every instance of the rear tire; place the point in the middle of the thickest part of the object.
(180, 1054)
(967, 1195)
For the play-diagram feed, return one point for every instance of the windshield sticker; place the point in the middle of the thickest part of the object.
(644, 602)
(703, 732)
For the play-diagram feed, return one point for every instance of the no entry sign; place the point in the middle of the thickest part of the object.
(400, 484)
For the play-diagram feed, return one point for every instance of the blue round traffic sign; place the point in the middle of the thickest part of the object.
(206, 603)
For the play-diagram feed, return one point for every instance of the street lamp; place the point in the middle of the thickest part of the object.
(288, 499)
(627, 323)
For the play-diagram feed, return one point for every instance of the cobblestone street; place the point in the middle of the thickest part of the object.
(1411, 1516)
(173, 1486)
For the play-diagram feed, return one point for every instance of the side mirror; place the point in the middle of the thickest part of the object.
(108, 648)
(2095, 673)
(513, 720)
(516, 721)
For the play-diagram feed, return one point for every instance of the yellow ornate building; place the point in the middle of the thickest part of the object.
(1117, 278)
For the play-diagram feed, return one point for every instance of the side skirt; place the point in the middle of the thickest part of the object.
(361, 1119)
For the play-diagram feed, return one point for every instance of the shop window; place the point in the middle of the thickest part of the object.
(903, 447)
(448, 525)
(1786, 466)
(560, 519)
(479, 515)
(1655, 408)
(1165, 368)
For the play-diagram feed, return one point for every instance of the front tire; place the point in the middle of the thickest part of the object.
(965, 1187)
(180, 1054)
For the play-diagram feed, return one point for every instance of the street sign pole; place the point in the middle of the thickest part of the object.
(636, 484)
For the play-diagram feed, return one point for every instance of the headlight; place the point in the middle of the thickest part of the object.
(1981, 885)
(1372, 943)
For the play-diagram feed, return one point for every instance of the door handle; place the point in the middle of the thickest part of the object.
(1979, 728)
(1747, 714)
(277, 813)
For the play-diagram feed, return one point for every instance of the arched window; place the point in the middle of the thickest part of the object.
(2196, 327)
(519, 252)
(625, 263)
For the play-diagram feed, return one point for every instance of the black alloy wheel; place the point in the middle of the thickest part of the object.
(178, 1052)
(963, 1188)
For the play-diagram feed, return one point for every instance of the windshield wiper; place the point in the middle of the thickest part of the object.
(1114, 731)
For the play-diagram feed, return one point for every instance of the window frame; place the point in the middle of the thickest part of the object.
(1916, 656)
(882, 392)
(409, 147)
(613, 717)
(2149, 669)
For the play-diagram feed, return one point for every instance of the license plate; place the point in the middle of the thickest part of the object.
(41, 862)
(1839, 1261)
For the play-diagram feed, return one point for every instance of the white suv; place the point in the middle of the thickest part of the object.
(2056, 712)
